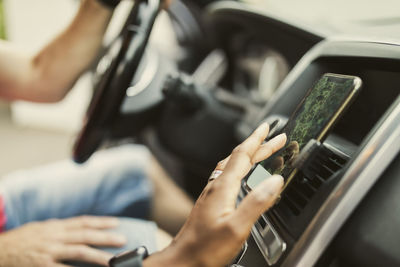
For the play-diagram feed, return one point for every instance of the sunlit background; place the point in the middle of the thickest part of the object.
(33, 134)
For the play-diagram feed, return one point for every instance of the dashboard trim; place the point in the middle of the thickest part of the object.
(362, 173)
(270, 244)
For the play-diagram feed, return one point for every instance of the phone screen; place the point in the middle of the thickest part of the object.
(312, 119)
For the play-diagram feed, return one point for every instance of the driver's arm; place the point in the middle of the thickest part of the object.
(48, 75)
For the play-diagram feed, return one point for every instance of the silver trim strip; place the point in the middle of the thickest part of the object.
(364, 171)
(270, 244)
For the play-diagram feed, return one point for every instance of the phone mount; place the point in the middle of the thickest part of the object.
(307, 154)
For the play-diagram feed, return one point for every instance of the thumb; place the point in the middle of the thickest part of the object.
(258, 202)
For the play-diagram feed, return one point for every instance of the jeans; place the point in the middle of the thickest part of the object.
(113, 182)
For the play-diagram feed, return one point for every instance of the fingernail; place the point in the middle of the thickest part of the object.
(274, 184)
(279, 138)
(263, 127)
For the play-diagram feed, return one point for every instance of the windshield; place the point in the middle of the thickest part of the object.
(380, 18)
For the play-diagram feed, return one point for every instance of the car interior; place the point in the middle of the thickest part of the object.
(231, 65)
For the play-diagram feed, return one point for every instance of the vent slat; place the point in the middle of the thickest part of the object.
(306, 188)
(329, 163)
(294, 196)
(320, 178)
(330, 170)
(292, 206)
(317, 181)
(337, 164)
(311, 187)
(299, 192)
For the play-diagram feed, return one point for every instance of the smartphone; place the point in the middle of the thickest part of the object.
(316, 114)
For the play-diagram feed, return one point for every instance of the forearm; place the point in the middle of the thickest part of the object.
(48, 75)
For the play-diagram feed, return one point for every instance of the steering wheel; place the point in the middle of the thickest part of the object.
(126, 54)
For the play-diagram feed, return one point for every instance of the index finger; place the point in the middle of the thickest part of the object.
(94, 222)
(241, 159)
(94, 237)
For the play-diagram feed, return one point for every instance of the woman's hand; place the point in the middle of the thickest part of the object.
(216, 230)
(52, 242)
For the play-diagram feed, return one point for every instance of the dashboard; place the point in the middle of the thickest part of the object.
(246, 66)
(339, 210)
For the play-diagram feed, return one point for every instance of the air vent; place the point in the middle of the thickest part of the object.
(307, 182)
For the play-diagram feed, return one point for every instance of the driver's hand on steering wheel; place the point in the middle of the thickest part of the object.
(216, 228)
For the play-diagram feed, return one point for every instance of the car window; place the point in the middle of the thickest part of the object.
(381, 18)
